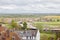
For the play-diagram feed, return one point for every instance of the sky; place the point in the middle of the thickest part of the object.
(29, 6)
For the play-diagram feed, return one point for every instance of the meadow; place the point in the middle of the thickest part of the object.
(45, 35)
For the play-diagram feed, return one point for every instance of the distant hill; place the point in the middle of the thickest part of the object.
(28, 14)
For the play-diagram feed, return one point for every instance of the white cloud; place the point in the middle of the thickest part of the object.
(31, 5)
(8, 7)
(51, 0)
(52, 6)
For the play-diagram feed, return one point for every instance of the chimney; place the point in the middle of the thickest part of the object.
(0, 34)
(8, 33)
(0, 25)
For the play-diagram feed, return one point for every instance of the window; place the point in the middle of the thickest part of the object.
(28, 37)
(23, 37)
(13, 37)
(3, 38)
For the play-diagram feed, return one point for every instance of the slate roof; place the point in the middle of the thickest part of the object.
(26, 33)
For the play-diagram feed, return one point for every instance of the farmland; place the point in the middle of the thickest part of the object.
(41, 25)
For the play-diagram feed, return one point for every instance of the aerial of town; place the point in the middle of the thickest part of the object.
(18, 28)
(29, 19)
(29, 27)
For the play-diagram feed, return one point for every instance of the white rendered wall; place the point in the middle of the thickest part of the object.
(38, 35)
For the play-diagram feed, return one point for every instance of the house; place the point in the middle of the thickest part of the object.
(6, 34)
(10, 34)
(32, 34)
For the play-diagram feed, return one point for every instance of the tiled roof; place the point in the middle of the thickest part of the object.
(13, 34)
(4, 34)
(2, 29)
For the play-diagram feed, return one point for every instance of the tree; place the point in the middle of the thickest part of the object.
(13, 24)
(24, 25)
(58, 20)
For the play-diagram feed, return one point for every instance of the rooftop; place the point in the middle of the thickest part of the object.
(25, 33)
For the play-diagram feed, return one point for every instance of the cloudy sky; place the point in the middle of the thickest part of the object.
(29, 6)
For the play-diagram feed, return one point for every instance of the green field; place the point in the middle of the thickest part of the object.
(50, 23)
(45, 36)
(40, 26)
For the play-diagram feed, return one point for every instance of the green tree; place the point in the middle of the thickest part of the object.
(24, 25)
(58, 20)
(13, 24)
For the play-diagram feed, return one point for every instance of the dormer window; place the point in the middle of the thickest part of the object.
(13, 37)
(0, 34)
(27, 37)
(0, 25)
(3, 38)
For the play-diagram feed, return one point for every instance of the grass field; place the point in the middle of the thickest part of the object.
(50, 23)
(40, 25)
(45, 36)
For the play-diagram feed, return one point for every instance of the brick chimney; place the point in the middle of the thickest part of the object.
(0, 25)
(8, 33)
